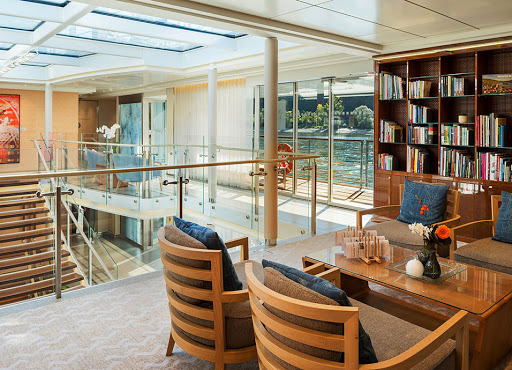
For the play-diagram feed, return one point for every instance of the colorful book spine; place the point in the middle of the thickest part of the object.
(456, 163)
(390, 86)
(423, 134)
(386, 162)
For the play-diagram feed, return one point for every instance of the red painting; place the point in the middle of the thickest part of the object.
(9, 129)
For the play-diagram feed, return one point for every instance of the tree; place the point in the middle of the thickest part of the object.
(363, 116)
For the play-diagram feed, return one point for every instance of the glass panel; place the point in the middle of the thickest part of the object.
(157, 131)
(62, 52)
(17, 23)
(124, 38)
(352, 179)
(165, 22)
(6, 46)
(49, 2)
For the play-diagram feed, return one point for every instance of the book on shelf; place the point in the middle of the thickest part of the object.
(497, 84)
(456, 135)
(456, 163)
(423, 134)
(419, 114)
(419, 89)
(418, 160)
(492, 131)
(386, 162)
(493, 166)
(390, 86)
(391, 132)
(452, 86)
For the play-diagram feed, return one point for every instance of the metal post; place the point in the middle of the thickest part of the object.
(313, 199)
(58, 242)
(68, 229)
(361, 166)
(212, 133)
(366, 164)
(48, 109)
(295, 132)
(330, 160)
(89, 266)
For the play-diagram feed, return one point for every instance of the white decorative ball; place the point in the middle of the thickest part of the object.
(414, 267)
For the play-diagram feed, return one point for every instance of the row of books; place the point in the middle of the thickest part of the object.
(419, 89)
(456, 135)
(391, 86)
(456, 163)
(391, 132)
(493, 166)
(452, 86)
(419, 114)
(492, 131)
(385, 162)
(423, 134)
(418, 160)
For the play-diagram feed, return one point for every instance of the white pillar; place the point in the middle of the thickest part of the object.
(212, 133)
(270, 133)
(48, 110)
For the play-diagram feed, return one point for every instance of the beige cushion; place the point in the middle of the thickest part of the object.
(238, 320)
(486, 253)
(283, 285)
(178, 237)
(392, 336)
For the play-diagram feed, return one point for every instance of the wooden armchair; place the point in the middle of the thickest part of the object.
(398, 233)
(206, 330)
(272, 352)
(485, 252)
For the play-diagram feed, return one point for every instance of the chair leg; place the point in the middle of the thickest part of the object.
(170, 346)
(220, 366)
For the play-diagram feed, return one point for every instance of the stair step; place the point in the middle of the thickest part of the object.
(26, 247)
(25, 223)
(23, 212)
(29, 260)
(21, 191)
(18, 183)
(33, 273)
(37, 287)
(26, 234)
(21, 202)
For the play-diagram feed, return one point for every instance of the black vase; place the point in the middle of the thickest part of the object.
(423, 257)
(432, 268)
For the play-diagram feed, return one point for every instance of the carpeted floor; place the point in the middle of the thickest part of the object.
(118, 326)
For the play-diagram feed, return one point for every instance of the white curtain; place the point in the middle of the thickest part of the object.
(234, 128)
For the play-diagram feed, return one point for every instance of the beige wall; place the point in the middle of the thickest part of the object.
(107, 112)
(65, 119)
(87, 116)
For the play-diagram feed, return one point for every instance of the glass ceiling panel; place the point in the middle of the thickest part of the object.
(16, 23)
(5, 46)
(165, 22)
(49, 2)
(62, 52)
(124, 39)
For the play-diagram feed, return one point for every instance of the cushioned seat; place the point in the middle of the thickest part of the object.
(392, 336)
(239, 329)
(486, 253)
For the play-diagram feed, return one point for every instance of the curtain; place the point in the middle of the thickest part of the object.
(234, 129)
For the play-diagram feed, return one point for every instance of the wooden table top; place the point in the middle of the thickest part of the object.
(475, 289)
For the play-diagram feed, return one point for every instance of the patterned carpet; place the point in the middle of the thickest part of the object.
(120, 325)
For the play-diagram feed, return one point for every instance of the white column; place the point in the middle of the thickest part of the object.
(212, 133)
(270, 133)
(48, 110)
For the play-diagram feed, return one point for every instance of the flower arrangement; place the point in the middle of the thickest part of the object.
(108, 133)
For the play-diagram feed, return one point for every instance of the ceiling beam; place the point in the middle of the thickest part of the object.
(40, 12)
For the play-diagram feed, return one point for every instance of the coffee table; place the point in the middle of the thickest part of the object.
(485, 294)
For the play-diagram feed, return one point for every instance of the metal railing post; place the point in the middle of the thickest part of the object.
(58, 242)
(313, 199)
(361, 165)
(366, 164)
(180, 182)
(89, 268)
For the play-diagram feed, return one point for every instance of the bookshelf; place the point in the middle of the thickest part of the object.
(463, 70)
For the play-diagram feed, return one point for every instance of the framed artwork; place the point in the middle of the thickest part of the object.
(9, 129)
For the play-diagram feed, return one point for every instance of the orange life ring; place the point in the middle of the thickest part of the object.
(286, 165)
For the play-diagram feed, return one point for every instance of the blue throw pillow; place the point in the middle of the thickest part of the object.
(434, 196)
(326, 288)
(504, 223)
(212, 241)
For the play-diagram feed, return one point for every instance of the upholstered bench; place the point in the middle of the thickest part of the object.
(486, 253)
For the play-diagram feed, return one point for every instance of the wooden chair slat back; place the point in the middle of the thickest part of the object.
(495, 210)
(264, 320)
(452, 202)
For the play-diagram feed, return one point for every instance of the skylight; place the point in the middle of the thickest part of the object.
(49, 2)
(165, 22)
(17, 23)
(5, 46)
(125, 39)
(63, 52)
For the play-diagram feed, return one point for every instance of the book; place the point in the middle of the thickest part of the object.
(453, 86)
(492, 131)
(386, 162)
(496, 83)
(419, 89)
(390, 86)
(391, 132)
(419, 114)
(423, 134)
(418, 160)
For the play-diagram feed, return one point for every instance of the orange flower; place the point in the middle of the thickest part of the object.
(424, 207)
(443, 232)
(421, 212)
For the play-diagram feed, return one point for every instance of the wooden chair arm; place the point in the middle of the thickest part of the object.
(455, 230)
(451, 222)
(235, 296)
(242, 242)
(359, 214)
(458, 325)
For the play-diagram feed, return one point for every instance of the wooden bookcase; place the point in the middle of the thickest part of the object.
(470, 63)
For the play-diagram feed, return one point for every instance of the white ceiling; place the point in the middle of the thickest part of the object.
(137, 54)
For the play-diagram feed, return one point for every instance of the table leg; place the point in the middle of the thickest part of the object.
(353, 286)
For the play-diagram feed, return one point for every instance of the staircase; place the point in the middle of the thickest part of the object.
(26, 246)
